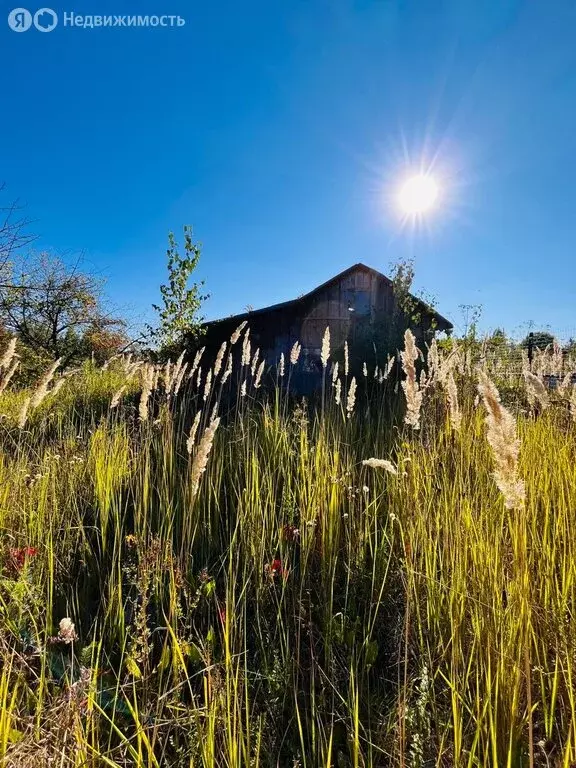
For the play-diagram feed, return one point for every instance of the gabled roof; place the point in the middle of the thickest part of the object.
(442, 322)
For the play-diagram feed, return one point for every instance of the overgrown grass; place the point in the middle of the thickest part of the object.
(300, 608)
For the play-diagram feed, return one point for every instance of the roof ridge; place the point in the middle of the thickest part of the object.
(305, 296)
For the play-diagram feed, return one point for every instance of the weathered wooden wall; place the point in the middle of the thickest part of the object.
(344, 304)
(357, 296)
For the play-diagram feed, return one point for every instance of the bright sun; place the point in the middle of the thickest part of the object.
(418, 194)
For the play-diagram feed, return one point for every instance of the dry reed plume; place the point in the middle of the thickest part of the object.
(504, 442)
(228, 371)
(295, 353)
(196, 362)
(180, 378)
(254, 362)
(200, 460)
(207, 385)
(259, 373)
(236, 335)
(219, 359)
(573, 403)
(335, 372)
(7, 377)
(410, 385)
(193, 430)
(565, 384)
(8, 355)
(147, 385)
(42, 389)
(351, 400)
(23, 413)
(433, 360)
(536, 390)
(246, 348)
(453, 404)
(174, 378)
(117, 397)
(325, 352)
(380, 464)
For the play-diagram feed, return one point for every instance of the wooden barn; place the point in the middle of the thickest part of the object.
(359, 306)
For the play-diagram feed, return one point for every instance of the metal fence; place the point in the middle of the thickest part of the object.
(554, 362)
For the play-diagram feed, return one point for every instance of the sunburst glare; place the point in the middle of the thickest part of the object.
(418, 195)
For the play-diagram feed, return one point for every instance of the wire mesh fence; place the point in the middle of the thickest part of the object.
(543, 355)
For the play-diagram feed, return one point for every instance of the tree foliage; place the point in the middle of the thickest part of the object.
(538, 340)
(179, 313)
(56, 309)
(384, 333)
(14, 234)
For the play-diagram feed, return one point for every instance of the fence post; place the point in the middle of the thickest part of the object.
(530, 348)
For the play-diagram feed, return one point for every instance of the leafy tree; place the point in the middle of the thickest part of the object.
(409, 308)
(497, 341)
(101, 342)
(538, 339)
(382, 334)
(498, 336)
(14, 235)
(471, 314)
(402, 278)
(56, 309)
(178, 315)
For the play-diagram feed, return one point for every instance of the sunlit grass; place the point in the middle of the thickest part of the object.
(300, 608)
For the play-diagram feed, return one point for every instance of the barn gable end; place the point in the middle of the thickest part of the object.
(356, 299)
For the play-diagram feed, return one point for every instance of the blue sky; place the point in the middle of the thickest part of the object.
(282, 130)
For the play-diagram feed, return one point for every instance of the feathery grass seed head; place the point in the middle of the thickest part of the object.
(351, 400)
(193, 430)
(381, 464)
(201, 456)
(42, 389)
(259, 373)
(536, 390)
(410, 385)
(335, 372)
(236, 335)
(501, 435)
(325, 352)
(338, 391)
(295, 353)
(246, 348)
(8, 355)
